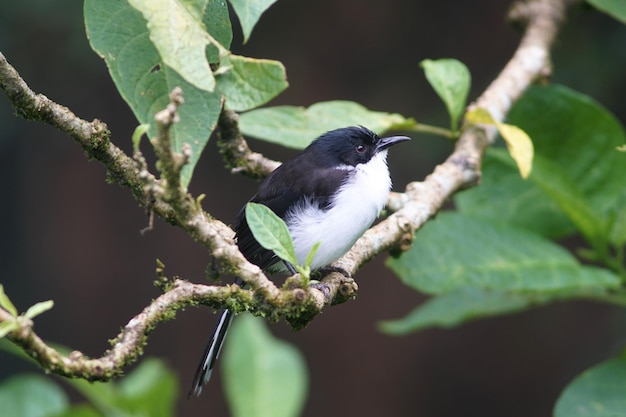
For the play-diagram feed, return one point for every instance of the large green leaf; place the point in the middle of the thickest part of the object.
(249, 12)
(152, 47)
(598, 392)
(177, 32)
(461, 305)
(504, 197)
(578, 137)
(150, 390)
(119, 34)
(263, 376)
(31, 396)
(296, 127)
(455, 251)
(568, 197)
(81, 410)
(451, 80)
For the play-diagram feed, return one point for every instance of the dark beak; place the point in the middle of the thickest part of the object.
(392, 140)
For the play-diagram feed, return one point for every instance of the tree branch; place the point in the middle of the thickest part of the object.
(93, 137)
(237, 153)
(127, 346)
(419, 202)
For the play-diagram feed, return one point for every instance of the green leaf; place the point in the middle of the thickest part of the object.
(249, 12)
(569, 198)
(248, 83)
(578, 134)
(263, 376)
(296, 127)
(456, 251)
(31, 396)
(598, 392)
(216, 19)
(271, 232)
(7, 327)
(6, 303)
(38, 308)
(81, 410)
(176, 30)
(150, 390)
(573, 133)
(614, 8)
(461, 305)
(102, 395)
(504, 197)
(118, 33)
(451, 80)
(311, 255)
(617, 223)
(551, 179)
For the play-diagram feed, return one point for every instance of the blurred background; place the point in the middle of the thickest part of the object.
(69, 236)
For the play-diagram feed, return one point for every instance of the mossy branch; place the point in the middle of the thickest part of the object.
(166, 198)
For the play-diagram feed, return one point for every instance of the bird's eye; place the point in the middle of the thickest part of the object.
(360, 148)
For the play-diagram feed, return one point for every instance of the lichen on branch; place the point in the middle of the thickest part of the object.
(166, 198)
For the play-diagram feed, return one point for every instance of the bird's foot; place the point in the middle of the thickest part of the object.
(325, 270)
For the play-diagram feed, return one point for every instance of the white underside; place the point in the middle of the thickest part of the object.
(351, 213)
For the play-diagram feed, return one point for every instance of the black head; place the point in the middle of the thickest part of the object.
(351, 146)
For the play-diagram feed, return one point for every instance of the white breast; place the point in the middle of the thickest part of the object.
(351, 213)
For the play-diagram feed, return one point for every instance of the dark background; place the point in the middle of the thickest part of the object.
(66, 235)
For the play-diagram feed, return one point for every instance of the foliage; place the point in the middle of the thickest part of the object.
(150, 390)
(495, 254)
(599, 391)
(264, 376)
(614, 8)
(33, 311)
(451, 81)
(146, 63)
(295, 127)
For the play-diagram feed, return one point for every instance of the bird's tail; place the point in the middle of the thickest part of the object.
(211, 352)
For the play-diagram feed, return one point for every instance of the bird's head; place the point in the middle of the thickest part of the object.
(351, 146)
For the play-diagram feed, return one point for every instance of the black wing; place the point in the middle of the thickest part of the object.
(288, 185)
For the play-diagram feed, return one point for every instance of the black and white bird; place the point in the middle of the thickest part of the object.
(331, 193)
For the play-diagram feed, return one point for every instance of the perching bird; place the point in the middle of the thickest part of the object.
(331, 193)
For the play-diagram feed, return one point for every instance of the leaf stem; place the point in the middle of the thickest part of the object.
(433, 130)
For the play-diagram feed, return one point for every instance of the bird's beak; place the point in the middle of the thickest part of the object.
(392, 140)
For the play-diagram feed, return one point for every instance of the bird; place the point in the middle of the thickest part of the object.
(330, 193)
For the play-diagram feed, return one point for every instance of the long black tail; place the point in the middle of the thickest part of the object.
(211, 352)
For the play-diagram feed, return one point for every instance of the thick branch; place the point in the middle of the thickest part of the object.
(419, 202)
(127, 346)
